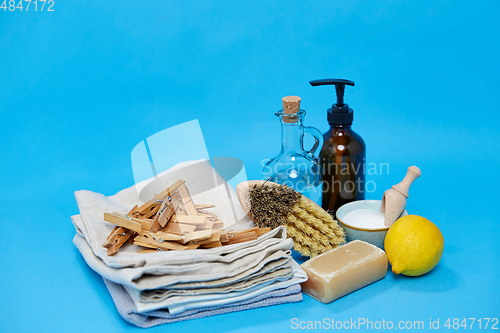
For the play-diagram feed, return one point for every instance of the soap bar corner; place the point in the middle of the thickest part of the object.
(343, 270)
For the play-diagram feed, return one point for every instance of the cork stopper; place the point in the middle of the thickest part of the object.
(291, 105)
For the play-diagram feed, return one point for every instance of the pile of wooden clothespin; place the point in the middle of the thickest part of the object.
(171, 221)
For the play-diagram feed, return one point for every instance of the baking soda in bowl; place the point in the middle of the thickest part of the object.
(365, 218)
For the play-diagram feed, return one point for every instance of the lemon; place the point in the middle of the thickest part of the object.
(413, 245)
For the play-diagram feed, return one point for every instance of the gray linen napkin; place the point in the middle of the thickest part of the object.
(157, 295)
(127, 310)
(182, 303)
(159, 276)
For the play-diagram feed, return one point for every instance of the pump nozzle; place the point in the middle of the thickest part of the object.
(339, 113)
(339, 87)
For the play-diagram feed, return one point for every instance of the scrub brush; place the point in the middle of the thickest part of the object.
(312, 229)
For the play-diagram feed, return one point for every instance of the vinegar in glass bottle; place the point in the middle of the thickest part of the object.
(295, 166)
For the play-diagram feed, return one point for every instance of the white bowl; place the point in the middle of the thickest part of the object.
(375, 236)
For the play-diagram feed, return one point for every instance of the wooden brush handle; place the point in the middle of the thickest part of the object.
(412, 174)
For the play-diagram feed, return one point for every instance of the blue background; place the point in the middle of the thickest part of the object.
(81, 86)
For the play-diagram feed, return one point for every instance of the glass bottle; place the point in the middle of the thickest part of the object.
(343, 161)
(294, 166)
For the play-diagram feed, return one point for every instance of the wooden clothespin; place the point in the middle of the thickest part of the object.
(171, 221)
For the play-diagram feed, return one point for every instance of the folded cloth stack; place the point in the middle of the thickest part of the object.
(150, 289)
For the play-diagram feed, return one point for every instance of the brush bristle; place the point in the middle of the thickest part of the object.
(270, 205)
(312, 229)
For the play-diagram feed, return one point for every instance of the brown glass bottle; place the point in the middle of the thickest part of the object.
(343, 161)
(343, 154)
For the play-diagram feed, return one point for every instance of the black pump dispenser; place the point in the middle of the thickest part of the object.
(339, 113)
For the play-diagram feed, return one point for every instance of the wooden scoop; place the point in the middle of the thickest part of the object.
(394, 199)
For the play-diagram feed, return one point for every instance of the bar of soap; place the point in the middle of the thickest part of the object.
(343, 270)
